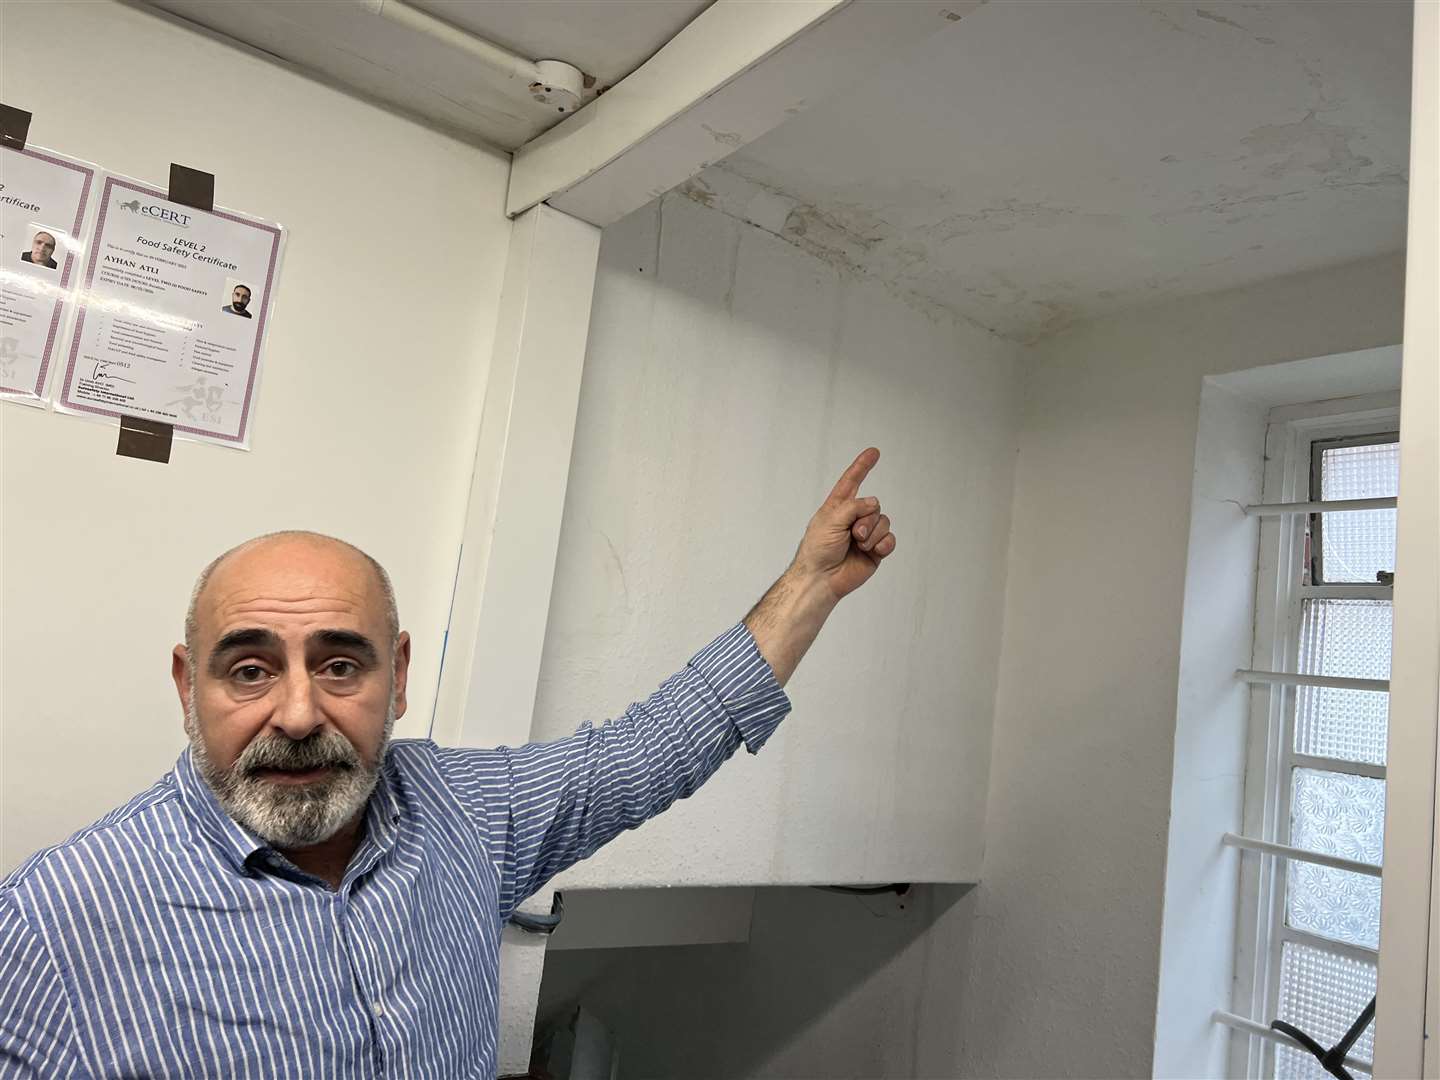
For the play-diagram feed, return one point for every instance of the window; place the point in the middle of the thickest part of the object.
(1315, 783)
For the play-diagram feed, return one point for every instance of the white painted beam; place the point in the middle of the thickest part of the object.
(737, 71)
(517, 490)
(512, 532)
(1409, 983)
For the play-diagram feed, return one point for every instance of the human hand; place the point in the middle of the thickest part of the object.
(848, 536)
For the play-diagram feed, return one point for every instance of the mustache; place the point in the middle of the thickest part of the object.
(312, 752)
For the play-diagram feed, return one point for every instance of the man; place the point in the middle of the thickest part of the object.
(300, 897)
(42, 248)
(239, 301)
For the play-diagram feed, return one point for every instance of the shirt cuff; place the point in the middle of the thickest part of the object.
(742, 680)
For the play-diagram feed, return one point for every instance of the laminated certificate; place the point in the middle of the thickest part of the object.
(43, 200)
(172, 314)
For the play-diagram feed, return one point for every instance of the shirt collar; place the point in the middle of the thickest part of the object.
(238, 845)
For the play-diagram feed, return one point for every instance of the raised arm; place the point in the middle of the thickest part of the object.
(548, 805)
(842, 548)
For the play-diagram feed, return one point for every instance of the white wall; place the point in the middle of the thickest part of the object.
(729, 380)
(1063, 962)
(1212, 709)
(365, 423)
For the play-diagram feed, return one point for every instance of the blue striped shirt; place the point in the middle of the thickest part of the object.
(166, 940)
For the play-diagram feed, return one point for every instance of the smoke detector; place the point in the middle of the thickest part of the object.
(558, 85)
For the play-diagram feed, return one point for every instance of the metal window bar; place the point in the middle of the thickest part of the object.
(1322, 506)
(1290, 678)
(1285, 851)
(1252, 1027)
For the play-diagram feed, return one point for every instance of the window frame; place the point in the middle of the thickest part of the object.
(1318, 447)
(1292, 432)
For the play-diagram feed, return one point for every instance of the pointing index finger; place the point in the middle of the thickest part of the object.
(850, 480)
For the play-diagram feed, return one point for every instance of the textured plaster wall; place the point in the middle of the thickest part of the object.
(729, 379)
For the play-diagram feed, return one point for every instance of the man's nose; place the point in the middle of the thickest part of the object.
(297, 713)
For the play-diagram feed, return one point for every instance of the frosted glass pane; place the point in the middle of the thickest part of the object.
(1340, 815)
(1358, 544)
(1360, 472)
(1349, 638)
(1346, 724)
(1321, 994)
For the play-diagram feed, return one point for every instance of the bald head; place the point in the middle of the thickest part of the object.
(292, 675)
(296, 551)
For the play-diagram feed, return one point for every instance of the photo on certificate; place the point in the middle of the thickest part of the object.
(172, 314)
(239, 298)
(44, 197)
(40, 255)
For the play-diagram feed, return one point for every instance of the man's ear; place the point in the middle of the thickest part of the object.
(180, 672)
(402, 671)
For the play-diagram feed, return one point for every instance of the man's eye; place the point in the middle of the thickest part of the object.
(341, 669)
(248, 673)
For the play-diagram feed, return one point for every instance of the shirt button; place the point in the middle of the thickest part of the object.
(378, 1009)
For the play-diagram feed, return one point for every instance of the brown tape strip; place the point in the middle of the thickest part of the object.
(192, 187)
(14, 126)
(146, 439)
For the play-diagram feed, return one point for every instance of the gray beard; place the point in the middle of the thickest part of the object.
(291, 815)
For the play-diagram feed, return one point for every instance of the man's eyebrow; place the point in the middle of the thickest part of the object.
(349, 640)
(249, 638)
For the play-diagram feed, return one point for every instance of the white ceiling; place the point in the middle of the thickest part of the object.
(344, 43)
(1042, 163)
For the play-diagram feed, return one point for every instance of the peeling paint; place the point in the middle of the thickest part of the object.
(1221, 19)
(732, 139)
(1165, 17)
(1014, 213)
(828, 235)
(1223, 200)
(696, 190)
(1308, 145)
(1395, 178)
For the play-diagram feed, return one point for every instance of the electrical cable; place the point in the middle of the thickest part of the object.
(541, 924)
(1332, 1060)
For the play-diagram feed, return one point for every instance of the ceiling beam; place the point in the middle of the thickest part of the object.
(734, 73)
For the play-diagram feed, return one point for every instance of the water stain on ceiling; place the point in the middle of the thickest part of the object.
(1042, 163)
